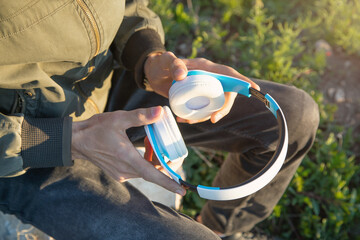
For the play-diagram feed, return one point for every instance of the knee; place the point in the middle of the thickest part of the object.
(302, 114)
(302, 117)
(193, 231)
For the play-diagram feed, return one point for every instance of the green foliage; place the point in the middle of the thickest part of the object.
(275, 40)
(341, 20)
(322, 201)
(176, 21)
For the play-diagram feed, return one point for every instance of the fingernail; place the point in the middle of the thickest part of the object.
(218, 117)
(155, 111)
(181, 192)
(179, 73)
(180, 120)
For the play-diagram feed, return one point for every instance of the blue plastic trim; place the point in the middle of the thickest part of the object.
(230, 84)
(206, 187)
(157, 150)
(273, 105)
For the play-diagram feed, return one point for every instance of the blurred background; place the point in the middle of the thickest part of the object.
(312, 44)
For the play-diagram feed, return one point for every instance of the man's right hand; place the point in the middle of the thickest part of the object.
(102, 140)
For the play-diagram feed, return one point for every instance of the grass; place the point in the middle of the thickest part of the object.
(276, 40)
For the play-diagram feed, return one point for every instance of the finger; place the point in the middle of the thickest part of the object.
(166, 58)
(162, 170)
(162, 179)
(169, 163)
(117, 175)
(177, 67)
(178, 70)
(182, 120)
(229, 101)
(127, 177)
(207, 65)
(151, 174)
(140, 117)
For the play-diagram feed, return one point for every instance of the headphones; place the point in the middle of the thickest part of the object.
(196, 97)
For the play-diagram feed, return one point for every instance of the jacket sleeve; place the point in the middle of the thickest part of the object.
(22, 139)
(140, 34)
(28, 142)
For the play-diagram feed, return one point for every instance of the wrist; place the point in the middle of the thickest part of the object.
(76, 139)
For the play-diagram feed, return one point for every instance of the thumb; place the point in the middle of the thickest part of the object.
(142, 116)
(178, 69)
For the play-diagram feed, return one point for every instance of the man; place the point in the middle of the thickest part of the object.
(65, 163)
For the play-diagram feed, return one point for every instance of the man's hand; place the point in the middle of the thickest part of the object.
(102, 140)
(162, 68)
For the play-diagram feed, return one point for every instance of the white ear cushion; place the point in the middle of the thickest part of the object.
(196, 97)
(169, 136)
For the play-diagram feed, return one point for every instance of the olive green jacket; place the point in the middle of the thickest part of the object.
(56, 67)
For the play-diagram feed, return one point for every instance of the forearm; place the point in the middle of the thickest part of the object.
(140, 34)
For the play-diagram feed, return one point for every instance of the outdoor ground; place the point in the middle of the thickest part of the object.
(341, 86)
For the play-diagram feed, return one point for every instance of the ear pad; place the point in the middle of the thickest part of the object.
(169, 138)
(196, 97)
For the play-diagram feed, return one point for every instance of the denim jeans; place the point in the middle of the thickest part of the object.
(81, 202)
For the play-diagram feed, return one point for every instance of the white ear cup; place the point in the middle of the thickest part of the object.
(169, 138)
(196, 97)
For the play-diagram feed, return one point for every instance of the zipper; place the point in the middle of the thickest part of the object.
(90, 17)
(93, 23)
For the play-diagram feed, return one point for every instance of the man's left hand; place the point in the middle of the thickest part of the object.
(162, 68)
